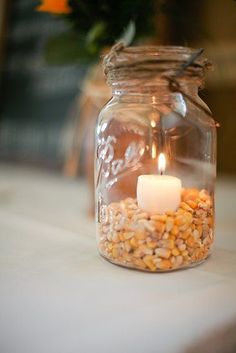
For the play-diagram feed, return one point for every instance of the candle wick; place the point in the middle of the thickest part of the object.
(161, 172)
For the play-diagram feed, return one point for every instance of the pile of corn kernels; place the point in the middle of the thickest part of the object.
(133, 238)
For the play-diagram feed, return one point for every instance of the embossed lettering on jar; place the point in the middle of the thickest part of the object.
(155, 161)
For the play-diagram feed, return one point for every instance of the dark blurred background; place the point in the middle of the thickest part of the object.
(36, 99)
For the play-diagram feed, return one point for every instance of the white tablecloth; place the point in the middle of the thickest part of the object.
(58, 296)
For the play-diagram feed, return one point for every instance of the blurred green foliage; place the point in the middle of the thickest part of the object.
(96, 24)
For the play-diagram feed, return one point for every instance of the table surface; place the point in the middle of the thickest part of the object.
(58, 295)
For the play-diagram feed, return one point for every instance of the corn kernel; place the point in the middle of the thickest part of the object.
(192, 204)
(163, 252)
(175, 252)
(175, 230)
(149, 263)
(163, 265)
(134, 243)
(161, 218)
(115, 253)
(184, 253)
(151, 244)
(172, 237)
(139, 263)
(190, 241)
(186, 207)
(160, 227)
(140, 235)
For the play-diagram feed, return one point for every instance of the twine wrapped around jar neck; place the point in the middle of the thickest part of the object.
(126, 63)
(171, 64)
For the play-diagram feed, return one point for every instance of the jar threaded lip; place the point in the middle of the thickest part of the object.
(144, 62)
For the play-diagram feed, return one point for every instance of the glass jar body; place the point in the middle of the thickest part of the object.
(133, 129)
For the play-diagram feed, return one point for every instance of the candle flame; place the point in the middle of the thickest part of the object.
(161, 163)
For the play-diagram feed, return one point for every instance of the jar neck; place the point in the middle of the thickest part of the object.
(159, 89)
(148, 70)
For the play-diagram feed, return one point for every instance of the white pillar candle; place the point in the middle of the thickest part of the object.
(158, 193)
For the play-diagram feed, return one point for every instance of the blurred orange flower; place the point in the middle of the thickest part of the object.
(57, 7)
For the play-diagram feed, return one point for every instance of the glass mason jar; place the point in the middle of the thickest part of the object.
(155, 162)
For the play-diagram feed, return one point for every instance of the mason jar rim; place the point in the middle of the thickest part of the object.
(178, 49)
(155, 53)
(146, 61)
